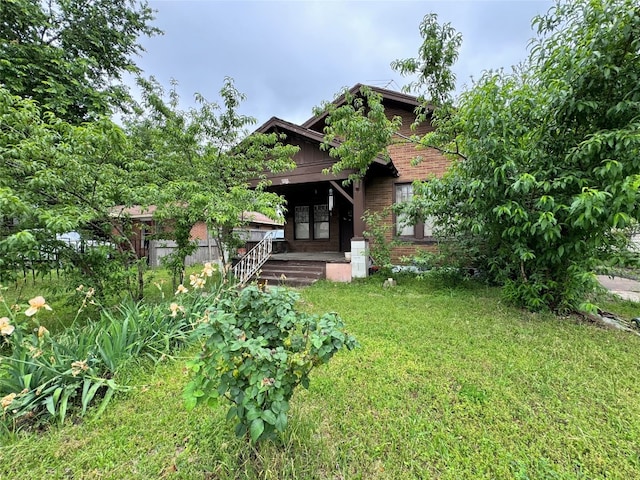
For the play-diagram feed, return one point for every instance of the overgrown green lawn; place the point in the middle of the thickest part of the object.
(448, 383)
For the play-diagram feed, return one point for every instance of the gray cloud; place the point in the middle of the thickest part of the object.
(289, 56)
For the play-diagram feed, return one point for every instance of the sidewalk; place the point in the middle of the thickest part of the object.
(623, 287)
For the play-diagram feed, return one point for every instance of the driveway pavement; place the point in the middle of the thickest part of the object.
(623, 287)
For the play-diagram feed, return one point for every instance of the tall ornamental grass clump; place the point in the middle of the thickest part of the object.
(43, 375)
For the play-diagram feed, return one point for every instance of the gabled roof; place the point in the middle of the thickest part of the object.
(275, 123)
(388, 95)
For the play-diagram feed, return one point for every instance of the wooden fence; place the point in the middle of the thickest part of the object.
(207, 250)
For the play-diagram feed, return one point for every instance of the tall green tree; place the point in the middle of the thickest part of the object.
(55, 178)
(552, 167)
(70, 55)
(64, 163)
(546, 158)
(362, 129)
(201, 162)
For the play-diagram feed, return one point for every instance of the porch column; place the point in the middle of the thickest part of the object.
(358, 209)
(359, 245)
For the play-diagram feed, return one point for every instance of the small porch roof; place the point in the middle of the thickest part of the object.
(145, 214)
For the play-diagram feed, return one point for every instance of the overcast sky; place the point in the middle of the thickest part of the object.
(289, 56)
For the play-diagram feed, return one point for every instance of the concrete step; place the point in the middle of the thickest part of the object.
(294, 273)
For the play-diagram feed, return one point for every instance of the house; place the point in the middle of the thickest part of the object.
(144, 228)
(324, 215)
(323, 231)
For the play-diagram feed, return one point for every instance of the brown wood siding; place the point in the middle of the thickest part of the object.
(310, 153)
(310, 161)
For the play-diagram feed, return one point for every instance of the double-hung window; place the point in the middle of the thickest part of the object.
(403, 228)
(310, 221)
(404, 192)
(321, 221)
(301, 220)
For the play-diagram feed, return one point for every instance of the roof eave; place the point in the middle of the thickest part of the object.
(275, 122)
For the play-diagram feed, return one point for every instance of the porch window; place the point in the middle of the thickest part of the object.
(419, 231)
(306, 218)
(321, 221)
(301, 221)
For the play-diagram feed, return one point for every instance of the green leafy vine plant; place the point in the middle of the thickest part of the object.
(379, 233)
(256, 350)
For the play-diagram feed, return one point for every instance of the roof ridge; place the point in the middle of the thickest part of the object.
(385, 92)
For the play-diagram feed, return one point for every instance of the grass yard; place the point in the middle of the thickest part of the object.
(448, 384)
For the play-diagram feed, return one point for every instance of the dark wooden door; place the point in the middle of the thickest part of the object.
(346, 226)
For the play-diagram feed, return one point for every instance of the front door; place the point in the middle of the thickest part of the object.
(346, 225)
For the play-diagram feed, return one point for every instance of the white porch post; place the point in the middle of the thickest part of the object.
(359, 244)
(359, 258)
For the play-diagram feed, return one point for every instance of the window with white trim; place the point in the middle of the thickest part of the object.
(420, 230)
(308, 222)
(301, 222)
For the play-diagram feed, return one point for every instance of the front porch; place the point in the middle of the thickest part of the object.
(320, 216)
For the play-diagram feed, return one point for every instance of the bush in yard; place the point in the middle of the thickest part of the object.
(377, 232)
(256, 350)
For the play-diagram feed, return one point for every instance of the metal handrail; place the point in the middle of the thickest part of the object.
(250, 263)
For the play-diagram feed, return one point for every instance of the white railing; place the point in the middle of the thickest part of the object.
(249, 265)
